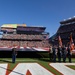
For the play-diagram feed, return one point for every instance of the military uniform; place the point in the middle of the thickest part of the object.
(51, 53)
(54, 54)
(69, 54)
(64, 53)
(59, 54)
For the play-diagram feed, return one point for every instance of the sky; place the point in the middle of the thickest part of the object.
(47, 13)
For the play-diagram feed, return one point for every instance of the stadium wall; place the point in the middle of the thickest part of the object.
(24, 54)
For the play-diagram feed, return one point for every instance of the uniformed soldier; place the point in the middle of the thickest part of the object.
(59, 53)
(64, 53)
(54, 53)
(69, 54)
(50, 53)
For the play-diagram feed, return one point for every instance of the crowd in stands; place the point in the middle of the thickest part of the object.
(6, 43)
(65, 35)
(66, 28)
(64, 31)
(24, 40)
(23, 36)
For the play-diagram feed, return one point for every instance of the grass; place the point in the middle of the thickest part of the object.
(71, 66)
(42, 61)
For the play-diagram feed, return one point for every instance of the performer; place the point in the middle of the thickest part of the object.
(14, 53)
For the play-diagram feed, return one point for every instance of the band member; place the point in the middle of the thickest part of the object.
(14, 53)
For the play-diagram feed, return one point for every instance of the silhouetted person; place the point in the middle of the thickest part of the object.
(54, 53)
(59, 52)
(69, 54)
(14, 53)
(50, 53)
(64, 53)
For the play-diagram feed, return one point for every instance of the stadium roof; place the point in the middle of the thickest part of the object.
(68, 20)
(12, 25)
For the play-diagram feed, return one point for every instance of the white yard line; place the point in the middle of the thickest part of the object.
(34, 68)
(63, 69)
(37, 69)
(3, 69)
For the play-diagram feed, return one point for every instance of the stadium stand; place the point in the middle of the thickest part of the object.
(22, 36)
(66, 28)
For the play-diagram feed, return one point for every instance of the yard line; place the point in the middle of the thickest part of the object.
(61, 67)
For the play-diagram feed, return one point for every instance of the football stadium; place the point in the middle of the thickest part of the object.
(66, 32)
(25, 38)
(33, 46)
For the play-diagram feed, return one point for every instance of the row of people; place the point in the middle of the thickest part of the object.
(24, 36)
(69, 27)
(60, 52)
(7, 43)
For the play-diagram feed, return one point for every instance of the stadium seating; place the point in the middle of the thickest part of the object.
(24, 40)
(64, 31)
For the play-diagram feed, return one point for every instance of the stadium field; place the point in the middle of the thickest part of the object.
(35, 66)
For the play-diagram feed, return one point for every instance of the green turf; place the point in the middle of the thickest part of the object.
(42, 61)
(72, 67)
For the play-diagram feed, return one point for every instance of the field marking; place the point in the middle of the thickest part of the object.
(62, 68)
(3, 69)
(37, 69)
(34, 68)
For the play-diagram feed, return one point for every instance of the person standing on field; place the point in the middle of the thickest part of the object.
(14, 53)
(50, 53)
